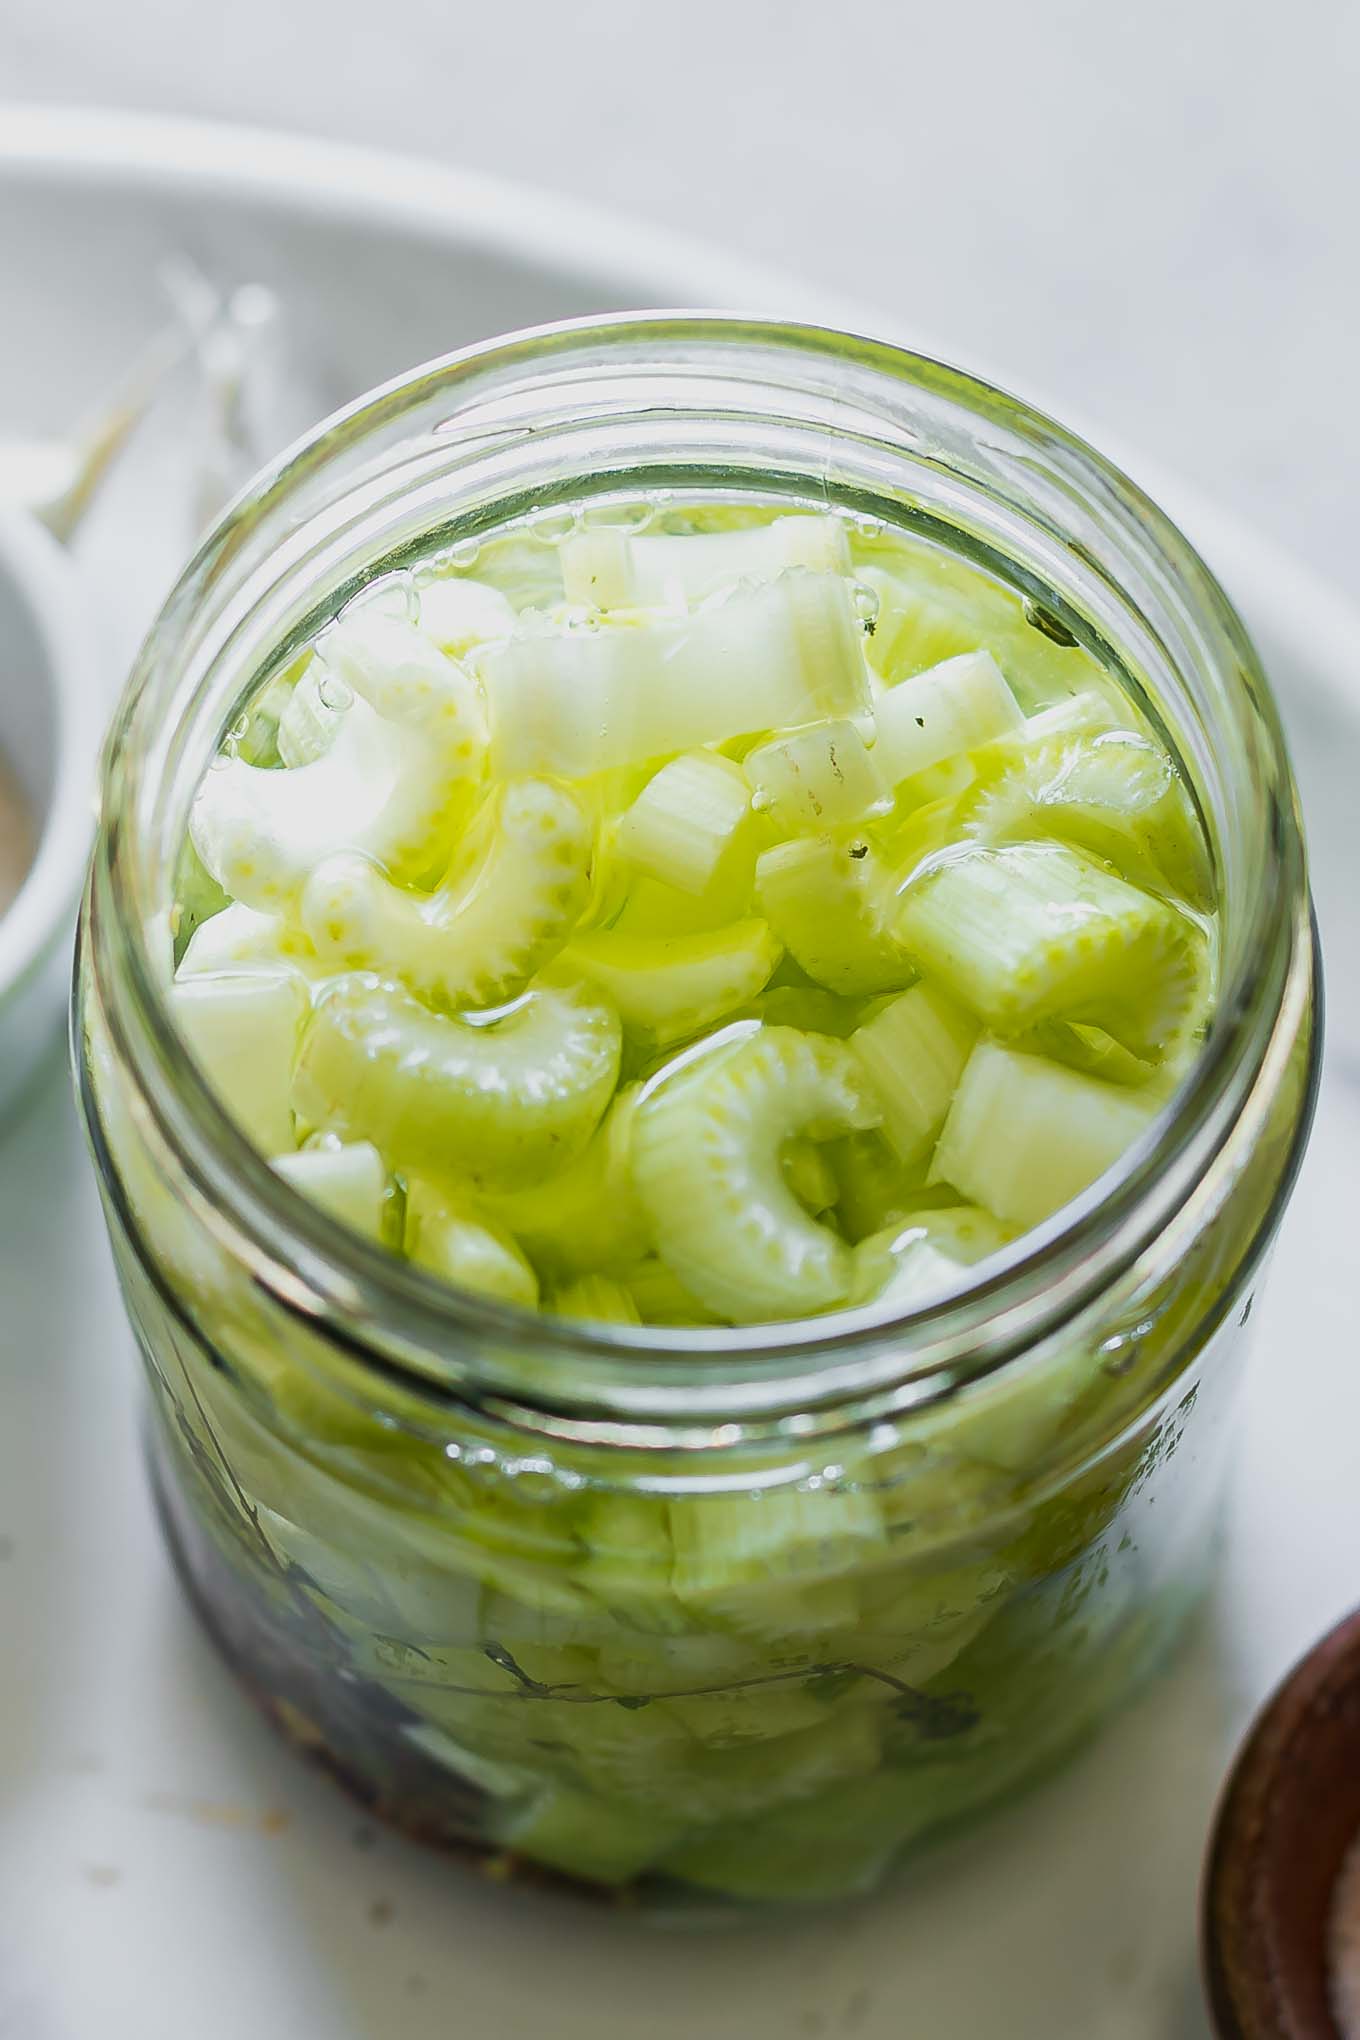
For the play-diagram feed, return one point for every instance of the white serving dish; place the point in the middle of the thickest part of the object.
(166, 1868)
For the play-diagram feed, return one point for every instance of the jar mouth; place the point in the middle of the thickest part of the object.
(1063, 524)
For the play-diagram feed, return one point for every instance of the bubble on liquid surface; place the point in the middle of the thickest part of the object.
(554, 527)
(390, 595)
(629, 518)
(866, 601)
(334, 692)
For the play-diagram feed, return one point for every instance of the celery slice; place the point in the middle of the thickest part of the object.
(579, 701)
(668, 987)
(348, 1180)
(823, 777)
(584, 1219)
(706, 1163)
(923, 1257)
(457, 613)
(1025, 1136)
(494, 1101)
(242, 1029)
(597, 1299)
(809, 1175)
(612, 570)
(308, 723)
(830, 902)
(464, 1249)
(240, 939)
(662, 1300)
(1116, 794)
(913, 1052)
(509, 903)
(942, 713)
(1030, 932)
(874, 1189)
(583, 1835)
(687, 821)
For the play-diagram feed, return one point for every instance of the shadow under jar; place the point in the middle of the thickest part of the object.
(742, 1614)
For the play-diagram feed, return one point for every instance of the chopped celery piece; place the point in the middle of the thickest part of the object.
(825, 777)
(308, 721)
(240, 939)
(942, 713)
(922, 1256)
(687, 820)
(754, 1777)
(464, 1249)
(611, 570)
(599, 1299)
(516, 889)
(1025, 1136)
(585, 1218)
(661, 1299)
(602, 1841)
(391, 784)
(809, 1175)
(242, 1029)
(706, 1163)
(1116, 794)
(496, 1101)
(578, 701)
(457, 614)
(830, 902)
(913, 1052)
(731, 1549)
(1030, 932)
(874, 1189)
(348, 1180)
(668, 987)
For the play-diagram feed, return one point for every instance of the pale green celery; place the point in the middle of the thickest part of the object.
(687, 821)
(661, 1299)
(932, 607)
(508, 904)
(810, 1009)
(242, 1029)
(495, 1102)
(738, 1716)
(809, 1175)
(913, 630)
(626, 1561)
(706, 1165)
(348, 1180)
(457, 613)
(830, 902)
(835, 1845)
(1116, 794)
(912, 839)
(1029, 932)
(584, 1219)
(598, 1298)
(638, 1667)
(1090, 1049)
(393, 783)
(701, 1785)
(913, 1052)
(602, 1841)
(308, 723)
(1025, 1136)
(239, 938)
(668, 987)
(612, 570)
(941, 714)
(874, 1189)
(465, 1249)
(824, 777)
(578, 701)
(902, 1270)
(775, 1561)
(650, 908)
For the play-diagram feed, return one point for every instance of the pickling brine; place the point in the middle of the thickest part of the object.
(676, 941)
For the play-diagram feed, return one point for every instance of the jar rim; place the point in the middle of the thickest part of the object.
(408, 1326)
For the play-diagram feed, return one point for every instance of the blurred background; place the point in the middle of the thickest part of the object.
(1146, 214)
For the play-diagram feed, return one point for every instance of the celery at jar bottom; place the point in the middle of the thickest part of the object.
(619, 973)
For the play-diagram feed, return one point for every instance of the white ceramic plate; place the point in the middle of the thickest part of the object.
(165, 1867)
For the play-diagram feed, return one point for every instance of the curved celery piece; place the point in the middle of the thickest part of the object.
(347, 1179)
(687, 821)
(239, 938)
(913, 1052)
(830, 902)
(579, 701)
(873, 1188)
(661, 1299)
(465, 1249)
(824, 777)
(597, 1299)
(584, 1219)
(706, 1162)
(613, 570)
(1025, 1136)
(747, 1561)
(458, 613)
(391, 784)
(926, 1256)
(668, 987)
(512, 897)
(494, 1102)
(308, 721)
(940, 714)
(242, 1029)
(1116, 794)
(1029, 932)
(602, 1841)
(809, 1175)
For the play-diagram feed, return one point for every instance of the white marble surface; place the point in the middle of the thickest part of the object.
(1149, 211)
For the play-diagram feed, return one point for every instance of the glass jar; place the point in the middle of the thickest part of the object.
(734, 1613)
